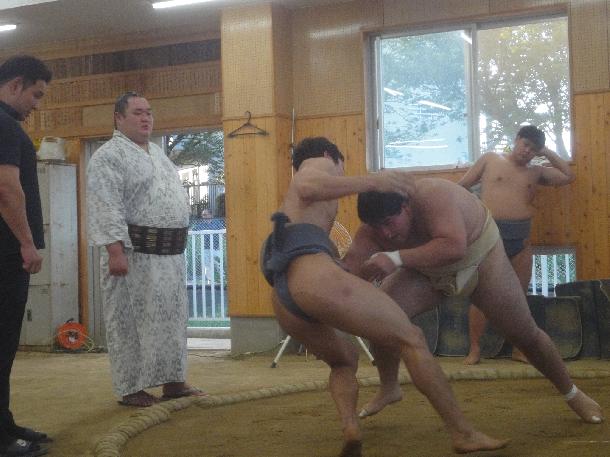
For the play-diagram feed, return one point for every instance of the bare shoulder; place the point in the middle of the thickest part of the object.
(316, 164)
(437, 195)
(492, 157)
(433, 186)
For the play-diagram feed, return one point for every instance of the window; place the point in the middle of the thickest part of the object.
(551, 266)
(441, 98)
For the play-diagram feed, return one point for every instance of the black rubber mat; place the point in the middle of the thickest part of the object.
(586, 290)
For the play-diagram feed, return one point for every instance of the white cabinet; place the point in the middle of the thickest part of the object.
(53, 292)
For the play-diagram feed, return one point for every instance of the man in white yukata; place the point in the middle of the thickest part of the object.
(138, 212)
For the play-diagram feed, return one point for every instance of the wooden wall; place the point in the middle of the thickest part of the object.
(312, 59)
(255, 40)
(334, 36)
(181, 79)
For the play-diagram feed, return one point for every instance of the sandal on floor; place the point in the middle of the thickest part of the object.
(139, 400)
(188, 392)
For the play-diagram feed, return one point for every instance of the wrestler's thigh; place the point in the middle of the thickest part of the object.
(343, 301)
(323, 341)
(522, 264)
(412, 291)
(500, 296)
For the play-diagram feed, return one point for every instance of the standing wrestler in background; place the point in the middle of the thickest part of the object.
(508, 186)
(314, 296)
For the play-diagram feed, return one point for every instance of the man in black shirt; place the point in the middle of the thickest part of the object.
(23, 82)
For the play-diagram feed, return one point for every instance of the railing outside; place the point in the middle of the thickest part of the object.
(205, 257)
(205, 199)
(551, 269)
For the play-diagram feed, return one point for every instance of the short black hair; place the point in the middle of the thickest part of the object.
(532, 133)
(314, 147)
(120, 105)
(29, 68)
(374, 207)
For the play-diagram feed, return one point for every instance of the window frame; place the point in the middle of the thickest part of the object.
(373, 89)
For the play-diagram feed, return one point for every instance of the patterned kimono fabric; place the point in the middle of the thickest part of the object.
(145, 312)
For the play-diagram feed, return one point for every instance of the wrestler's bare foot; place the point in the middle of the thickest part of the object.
(383, 398)
(476, 441)
(473, 357)
(351, 449)
(519, 356)
(352, 445)
(586, 408)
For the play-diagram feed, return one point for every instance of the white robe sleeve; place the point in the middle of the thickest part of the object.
(105, 199)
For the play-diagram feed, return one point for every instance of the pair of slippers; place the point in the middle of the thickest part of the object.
(144, 399)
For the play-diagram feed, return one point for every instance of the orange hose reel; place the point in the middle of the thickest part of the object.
(71, 335)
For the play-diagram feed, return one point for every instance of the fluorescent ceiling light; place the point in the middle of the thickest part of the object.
(172, 3)
(7, 27)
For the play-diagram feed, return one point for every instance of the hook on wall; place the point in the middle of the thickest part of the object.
(247, 128)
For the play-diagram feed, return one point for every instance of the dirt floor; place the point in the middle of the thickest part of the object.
(306, 425)
(70, 397)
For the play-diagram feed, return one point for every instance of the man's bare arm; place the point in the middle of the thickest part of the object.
(361, 249)
(316, 181)
(12, 209)
(560, 174)
(474, 173)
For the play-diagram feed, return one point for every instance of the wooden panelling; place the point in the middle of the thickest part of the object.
(283, 157)
(247, 60)
(576, 215)
(176, 111)
(253, 175)
(182, 97)
(502, 6)
(589, 45)
(99, 116)
(327, 57)
(56, 120)
(135, 59)
(312, 58)
(590, 199)
(347, 132)
(399, 12)
(162, 82)
(85, 46)
(282, 60)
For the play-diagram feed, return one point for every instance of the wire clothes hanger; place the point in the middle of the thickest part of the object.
(247, 125)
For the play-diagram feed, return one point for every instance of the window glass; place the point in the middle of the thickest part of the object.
(523, 77)
(443, 98)
(424, 99)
